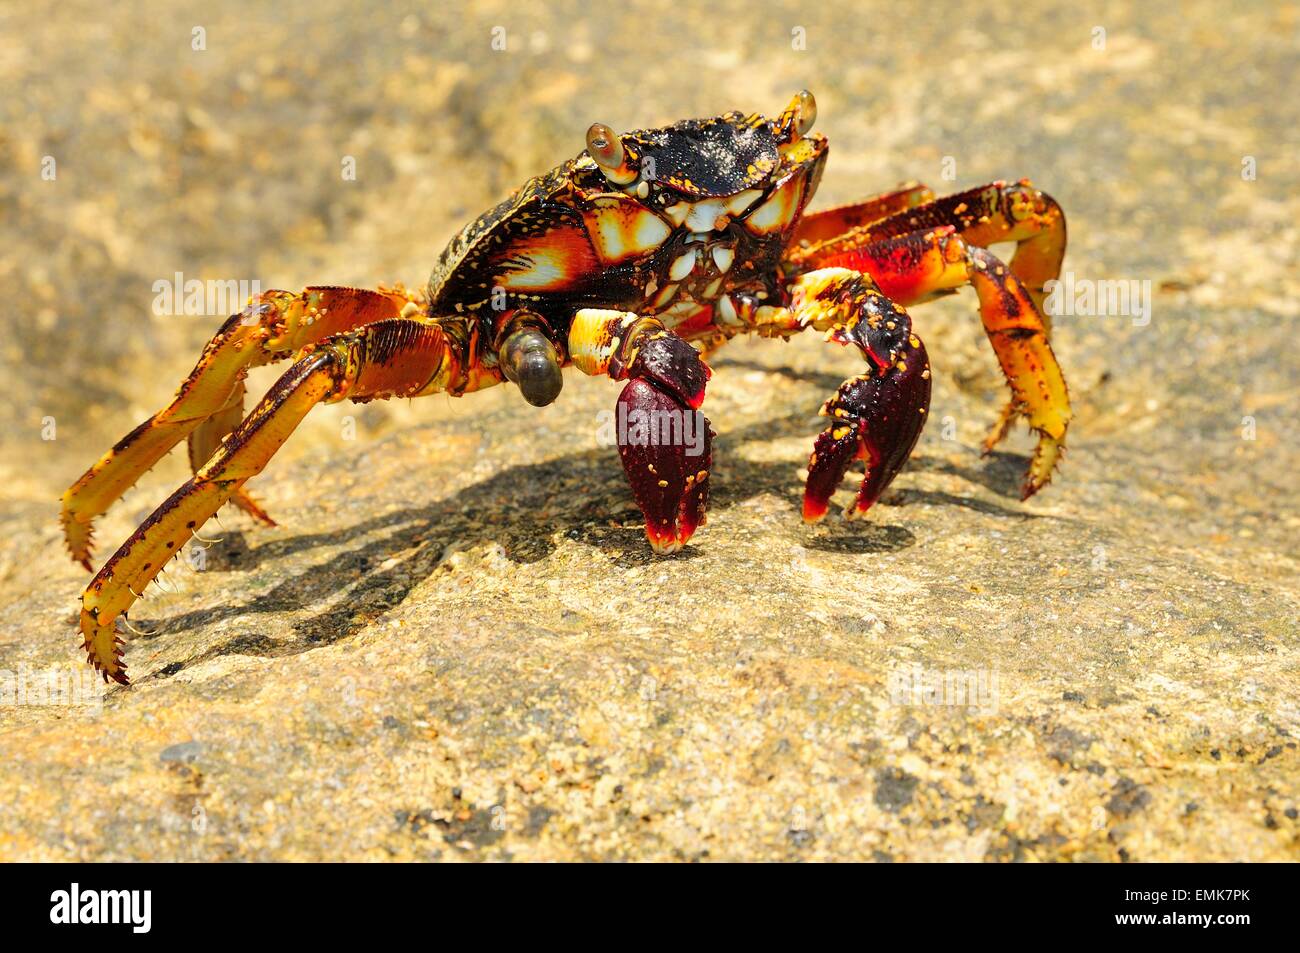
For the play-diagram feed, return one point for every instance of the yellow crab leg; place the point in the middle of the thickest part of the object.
(209, 401)
(392, 358)
(207, 436)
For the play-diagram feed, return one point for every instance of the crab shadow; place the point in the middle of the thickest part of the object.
(522, 509)
(998, 472)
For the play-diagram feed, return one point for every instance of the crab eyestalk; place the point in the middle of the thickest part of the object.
(606, 150)
(797, 120)
(529, 359)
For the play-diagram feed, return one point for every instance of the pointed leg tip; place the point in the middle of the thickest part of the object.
(102, 645)
(117, 674)
(1047, 457)
(666, 547)
(79, 545)
(250, 506)
(858, 511)
(1031, 487)
(114, 669)
(814, 511)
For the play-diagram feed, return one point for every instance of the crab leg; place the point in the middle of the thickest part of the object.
(876, 417)
(816, 227)
(207, 436)
(665, 442)
(913, 266)
(983, 216)
(210, 401)
(390, 358)
(986, 215)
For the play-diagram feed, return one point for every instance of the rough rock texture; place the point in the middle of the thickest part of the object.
(458, 645)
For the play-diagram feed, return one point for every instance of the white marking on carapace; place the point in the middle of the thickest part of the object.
(622, 228)
(664, 296)
(737, 204)
(677, 213)
(779, 210)
(550, 261)
(705, 216)
(680, 312)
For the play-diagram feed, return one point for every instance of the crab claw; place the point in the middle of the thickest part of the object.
(665, 442)
(876, 417)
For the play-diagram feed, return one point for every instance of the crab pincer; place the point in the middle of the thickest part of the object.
(665, 441)
(876, 417)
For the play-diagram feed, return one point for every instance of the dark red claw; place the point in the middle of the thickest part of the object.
(878, 418)
(830, 460)
(667, 452)
(674, 365)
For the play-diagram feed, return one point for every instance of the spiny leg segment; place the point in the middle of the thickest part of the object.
(209, 402)
(207, 436)
(388, 358)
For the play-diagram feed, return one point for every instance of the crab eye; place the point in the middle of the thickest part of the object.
(604, 145)
(806, 114)
(606, 150)
(797, 119)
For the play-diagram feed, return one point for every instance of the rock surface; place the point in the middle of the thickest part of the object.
(457, 645)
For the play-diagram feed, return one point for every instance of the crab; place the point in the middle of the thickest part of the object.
(634, 261)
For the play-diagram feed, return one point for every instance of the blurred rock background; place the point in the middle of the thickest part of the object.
(457, 644)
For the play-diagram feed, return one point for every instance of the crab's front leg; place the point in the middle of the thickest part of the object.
(664, 440)
(911, 266)
(942, 244)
